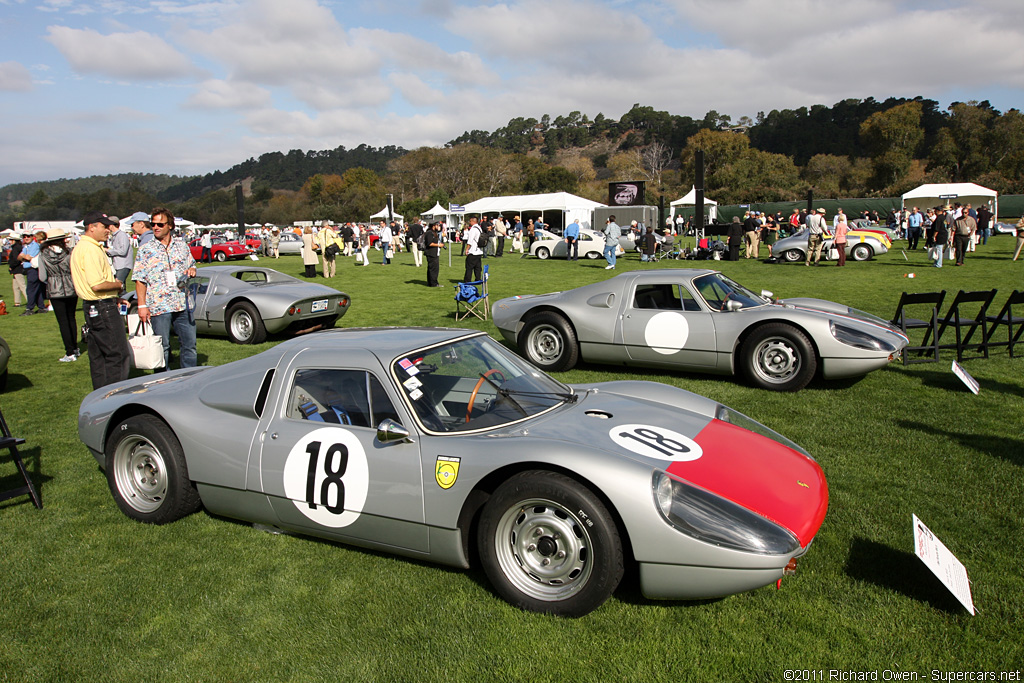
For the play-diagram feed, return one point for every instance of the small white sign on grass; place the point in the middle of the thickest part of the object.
(966, 378)
(936, 556)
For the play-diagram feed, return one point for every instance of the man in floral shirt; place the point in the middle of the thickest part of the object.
(162, 267)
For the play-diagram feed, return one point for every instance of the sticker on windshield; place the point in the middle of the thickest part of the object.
(409, 367)
(327, 477)
(412, 384)
(656, 442)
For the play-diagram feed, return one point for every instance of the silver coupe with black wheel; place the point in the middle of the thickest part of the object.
(697, 320)
(442, 445)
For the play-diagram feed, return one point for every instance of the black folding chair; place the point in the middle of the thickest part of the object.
(1012, 322)
(929, 323)
(959, 323)
(11, 443)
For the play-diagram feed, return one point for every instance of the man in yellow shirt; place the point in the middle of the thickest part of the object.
(109, 353)
(325, 238)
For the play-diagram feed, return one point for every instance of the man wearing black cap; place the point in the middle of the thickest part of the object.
(109, 353)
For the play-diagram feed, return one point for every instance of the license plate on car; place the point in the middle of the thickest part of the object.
(319, 305)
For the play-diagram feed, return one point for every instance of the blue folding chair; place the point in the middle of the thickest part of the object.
(471, 298)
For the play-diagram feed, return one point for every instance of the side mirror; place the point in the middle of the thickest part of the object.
(765, 294)
(733, 305)
(389, 431)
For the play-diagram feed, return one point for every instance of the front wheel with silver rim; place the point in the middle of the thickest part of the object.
(778, 357)
(548, 544)
(549, 342)
(146, 471)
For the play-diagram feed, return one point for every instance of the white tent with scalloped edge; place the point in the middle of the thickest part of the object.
(934, 194)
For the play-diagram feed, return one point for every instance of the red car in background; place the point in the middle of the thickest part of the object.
(222, 249)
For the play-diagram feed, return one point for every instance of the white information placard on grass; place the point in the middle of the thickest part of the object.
(936, 556)
(966, 378)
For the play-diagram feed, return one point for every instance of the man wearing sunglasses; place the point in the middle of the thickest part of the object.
(162, 268)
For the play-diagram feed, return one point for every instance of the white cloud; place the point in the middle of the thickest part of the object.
(462, 68)
(14, 77)
(218, 94)
(138, 55)
(415, 91)
(286, 44)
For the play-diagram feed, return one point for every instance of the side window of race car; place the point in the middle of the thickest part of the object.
(664, 297)
(349, 397)
(332, 396)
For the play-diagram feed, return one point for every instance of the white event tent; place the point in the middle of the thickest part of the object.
(690, 199)
(383, 213)
(933, 194)
(438, 213)
(572, 207)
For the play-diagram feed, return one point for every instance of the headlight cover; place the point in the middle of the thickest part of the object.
(858, 339)
(707, 517)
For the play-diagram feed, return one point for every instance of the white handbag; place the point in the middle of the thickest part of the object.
(147, 348)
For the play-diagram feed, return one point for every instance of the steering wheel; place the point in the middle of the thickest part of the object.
(480, 383)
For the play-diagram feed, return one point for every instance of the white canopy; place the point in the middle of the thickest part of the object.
(575, 208)
(933, 194)
(691, 200)
(383, 213)
(438, 210)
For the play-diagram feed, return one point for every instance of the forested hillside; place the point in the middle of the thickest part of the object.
(855, 148)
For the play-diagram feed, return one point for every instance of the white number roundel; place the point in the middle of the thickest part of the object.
(327, 477)
(666, 333)
(656, 442)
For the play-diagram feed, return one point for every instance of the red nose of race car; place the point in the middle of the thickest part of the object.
(760, 474)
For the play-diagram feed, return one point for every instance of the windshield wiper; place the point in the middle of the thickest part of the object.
(571, 398)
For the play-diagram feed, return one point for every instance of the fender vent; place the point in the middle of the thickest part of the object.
(598, 413)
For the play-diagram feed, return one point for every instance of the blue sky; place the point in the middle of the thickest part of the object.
(176, 86)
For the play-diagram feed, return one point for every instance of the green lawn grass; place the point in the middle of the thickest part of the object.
(90, 595)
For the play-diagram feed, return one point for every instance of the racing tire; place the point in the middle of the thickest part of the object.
(548, 544)
(146, 471)
(792, 255)
(861, 252)
(549, 342)
(245, 325)
(542, 253)
(778, 357)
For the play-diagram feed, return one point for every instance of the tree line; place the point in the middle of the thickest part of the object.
(856, 148)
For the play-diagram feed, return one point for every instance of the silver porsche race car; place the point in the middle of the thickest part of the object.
(245, 303)
(861, 245)
(442, 445)
(697, 320)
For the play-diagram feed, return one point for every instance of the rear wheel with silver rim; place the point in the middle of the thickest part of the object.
(548, 544)
(146, 471)
(245, 325)
(542, 253)
(778, 357)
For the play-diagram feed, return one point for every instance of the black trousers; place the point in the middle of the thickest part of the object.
(35, 289)
(64, 310)
(960, 243)
(501, 245)
(433, 267)
(474, 270)
(913, 237)
(110, 357)
(734, 252)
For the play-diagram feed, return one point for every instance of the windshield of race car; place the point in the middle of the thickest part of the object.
(475, 383)
(717, 290)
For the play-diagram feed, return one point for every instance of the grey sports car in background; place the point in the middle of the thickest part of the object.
(442, 445)
(697, 320)
(290, 243)
(860, 246)
(245, 303)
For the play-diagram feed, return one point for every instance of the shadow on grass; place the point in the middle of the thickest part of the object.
(32, 458)
(899, 571)
(945, 379)
(17, 382)
(1010, 450)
